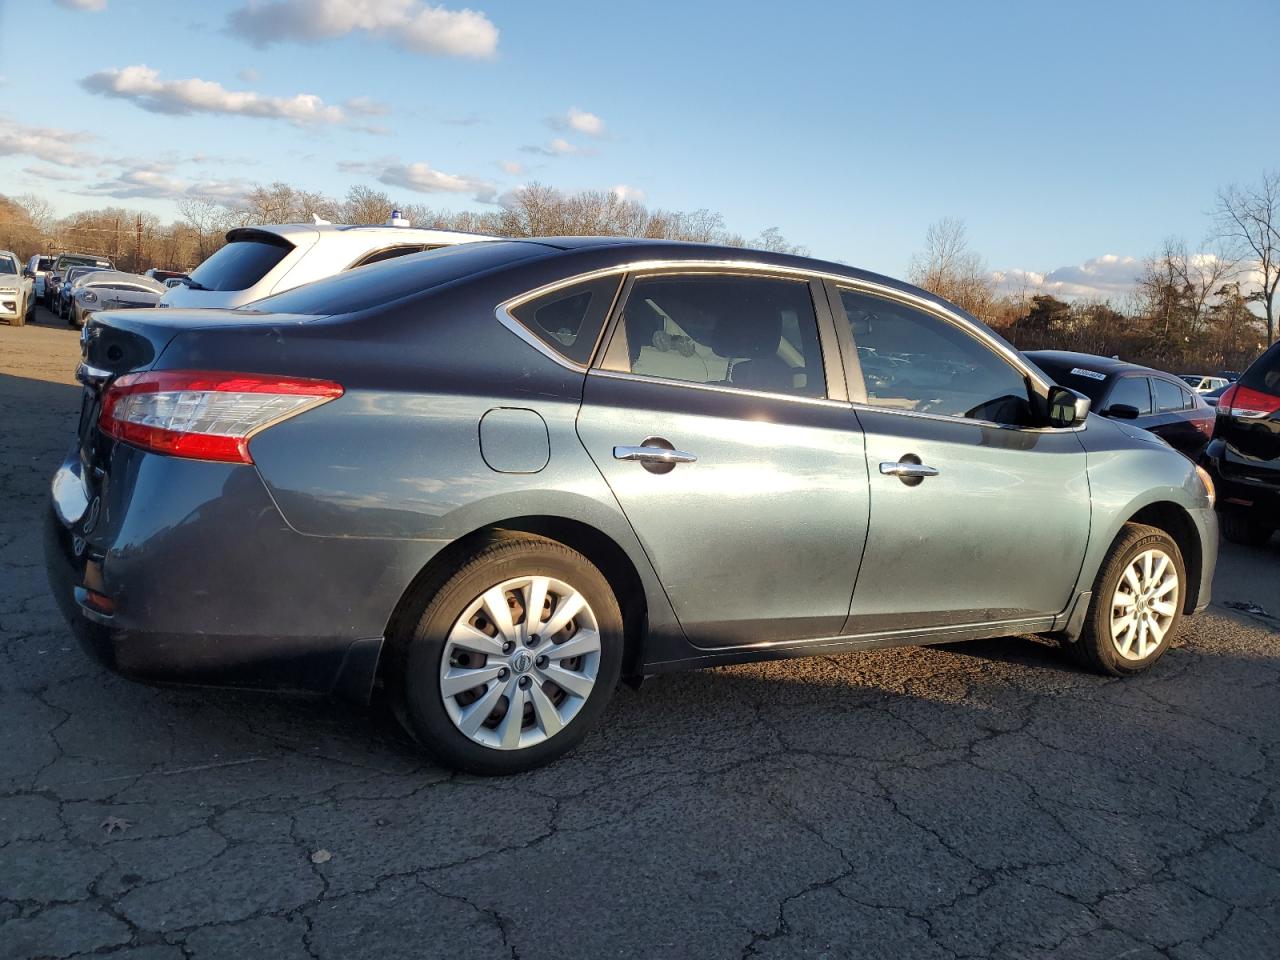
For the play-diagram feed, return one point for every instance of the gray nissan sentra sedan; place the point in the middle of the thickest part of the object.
(499, 478)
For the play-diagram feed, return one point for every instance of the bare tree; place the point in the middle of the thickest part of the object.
(1180, 287)
(1249, 219)
(952, 270)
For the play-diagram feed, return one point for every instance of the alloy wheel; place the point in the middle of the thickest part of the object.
(520, 662)
(1144, 604)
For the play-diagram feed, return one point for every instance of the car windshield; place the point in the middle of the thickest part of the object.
(1078, 376)
(390, 280)
(8, 265)
(72, 260)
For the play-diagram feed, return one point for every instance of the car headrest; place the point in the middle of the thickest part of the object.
(747, 328)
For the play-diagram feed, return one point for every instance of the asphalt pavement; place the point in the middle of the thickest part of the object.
(969, 800)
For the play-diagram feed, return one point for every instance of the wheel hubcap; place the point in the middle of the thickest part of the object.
(1144, 604)
(497, 690)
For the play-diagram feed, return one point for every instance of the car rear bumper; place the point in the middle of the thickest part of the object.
(210, 586)
(1254, 492)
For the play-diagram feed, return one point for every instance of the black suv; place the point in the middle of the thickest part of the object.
(1244, 455)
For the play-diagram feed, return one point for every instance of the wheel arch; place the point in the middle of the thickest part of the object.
(597, 546)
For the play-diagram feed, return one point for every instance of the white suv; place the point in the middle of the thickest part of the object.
(260, 261)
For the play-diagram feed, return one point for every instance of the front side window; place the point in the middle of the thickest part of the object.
(240, 264)
(1131, 392)
(568, 320)
(1169, 396)
(753, 333)
(912, 360)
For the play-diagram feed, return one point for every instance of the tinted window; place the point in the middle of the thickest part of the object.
(395, 279)
(8, 265)
(46, 263)
(754, 333)
(240, 264)
(388, 254)
(569, 320)
(1169, 396)
(912, 360)
(1132, 392)
(1264, 374)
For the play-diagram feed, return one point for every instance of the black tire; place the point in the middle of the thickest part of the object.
(1244, 527)
(1095, 649)
(416, 654)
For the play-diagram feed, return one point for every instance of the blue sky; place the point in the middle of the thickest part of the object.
(1059, 133)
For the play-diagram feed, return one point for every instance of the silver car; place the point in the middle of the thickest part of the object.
(110, 290)
(15, 290)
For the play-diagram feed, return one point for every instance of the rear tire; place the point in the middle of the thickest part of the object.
(512, 657)
(1136, 606)
(1244, 527)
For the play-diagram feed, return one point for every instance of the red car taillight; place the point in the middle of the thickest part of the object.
(205, 415)
(1240, 401)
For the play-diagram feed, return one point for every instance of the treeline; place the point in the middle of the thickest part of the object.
(136, 240)
(1205, 309)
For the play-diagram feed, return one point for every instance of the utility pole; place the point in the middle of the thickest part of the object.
(115, 250)
(137, 257)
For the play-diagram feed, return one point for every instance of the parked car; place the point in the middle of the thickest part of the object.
(66, 289)
(39, 267)
(164, 276)
(1202, 384)
(15, 290)
(259, 261)
(111, 290)
(1244, 454)
(61, 264)
(498, 477)
(1146, 398)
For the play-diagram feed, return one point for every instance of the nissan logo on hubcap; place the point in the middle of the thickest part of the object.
(522, 662)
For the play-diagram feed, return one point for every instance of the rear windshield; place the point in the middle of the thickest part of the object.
(390, 280)
(71, 260)
(241, 263)
(45, 263)
(1264, 374)
(1084, 379)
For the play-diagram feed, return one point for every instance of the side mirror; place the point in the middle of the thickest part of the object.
(1122, 411)
(1067, 408)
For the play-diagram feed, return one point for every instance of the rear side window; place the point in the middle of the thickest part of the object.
(1264, 374)
(1169, 396)
(569, 320)
(753, 333)
(915, 361)
(380, 283)
(241, 263)
(390, 253)
(1131, 392)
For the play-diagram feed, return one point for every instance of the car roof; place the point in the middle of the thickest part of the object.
(1107, 365)
(119, 276)
(358, 234)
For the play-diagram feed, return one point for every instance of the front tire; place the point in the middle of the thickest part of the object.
(1136, 605)
(513, 660)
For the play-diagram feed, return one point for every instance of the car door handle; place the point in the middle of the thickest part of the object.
(908, 470)
(659, 455)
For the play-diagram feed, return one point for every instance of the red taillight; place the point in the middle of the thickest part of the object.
(1251, 404)
(205, 415)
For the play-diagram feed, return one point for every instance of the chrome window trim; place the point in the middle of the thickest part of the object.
(505, 317)
(716, 388)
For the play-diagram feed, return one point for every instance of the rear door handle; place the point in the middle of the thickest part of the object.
(658, 455)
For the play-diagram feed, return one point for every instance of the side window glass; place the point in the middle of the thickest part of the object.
(754, 333)
(1132, 392)
(568, 320)
(1168, 396)
(912, 360)
(390, 253)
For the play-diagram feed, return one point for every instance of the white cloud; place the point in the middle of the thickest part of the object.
(50, 173)
(628, 194)
(422, 178)
(92, 5)
(44, 143)
(143, 86)
(410, 24)
(556, 147)
(154, 181)
(513, 167)
(580, 121)
(1107, 277)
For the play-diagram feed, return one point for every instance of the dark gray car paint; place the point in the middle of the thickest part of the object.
(318, 543)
